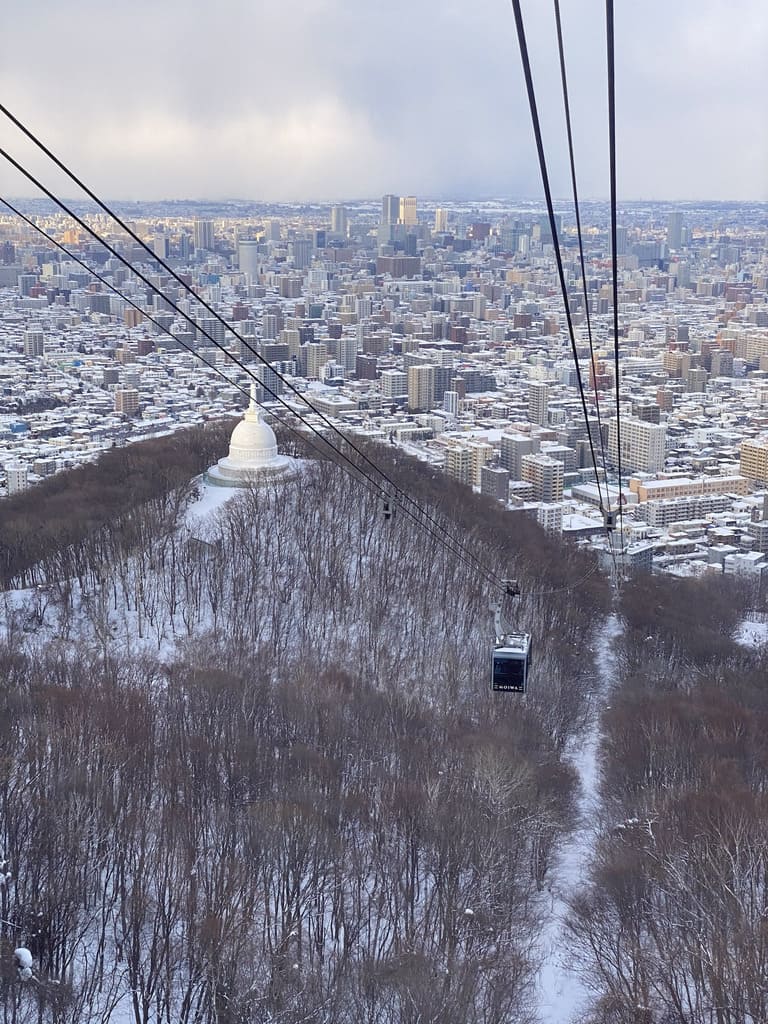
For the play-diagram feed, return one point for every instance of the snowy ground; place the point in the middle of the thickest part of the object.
(752, 634)
(563, 995)
(38, 618)
(209, 501)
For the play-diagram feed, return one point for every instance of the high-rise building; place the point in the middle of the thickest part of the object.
(550, 518)
(494, 481)
(482, 453)
(210, 328)
(645, 410)
(722, 363)
(538, 402)
(675, 230)
(26, 283)
(290, 336)
(163, 323)
(366, 367)
(451, 403)
(753, 460)
(271, 383)
(458, 463)
(394, 384)
(665, 399)
(249, 342)
(621, 241)
(696, 379)
(544, 230)
(421, 387)
(16, 477)
(408, 215)
(443, 381)
(301, 252)
(317, 357)
(441, 221)
(465, 461)
(513, 448)
(161, 245)
(249, 258)
(126, 401)
(643, 445)
(545, 476)
(390, 209)
(563, 453)
(346, 352)
(339, 220)
(203, 232)
(34, 342)
(270, 326)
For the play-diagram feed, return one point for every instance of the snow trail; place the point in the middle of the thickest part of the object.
(562, 993)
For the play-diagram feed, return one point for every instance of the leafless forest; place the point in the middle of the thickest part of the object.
(673, 926)
(252, 770)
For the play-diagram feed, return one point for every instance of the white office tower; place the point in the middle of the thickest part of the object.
(441, 221)
(249, 258)
(538, 402)
(451, 403)
(394, 384)
(643, 445)
(17, 477)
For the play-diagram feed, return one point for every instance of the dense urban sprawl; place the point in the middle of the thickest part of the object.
(438, 328)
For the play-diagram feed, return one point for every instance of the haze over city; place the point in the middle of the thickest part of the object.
(330, 99)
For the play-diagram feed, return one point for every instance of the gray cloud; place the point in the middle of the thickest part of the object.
(334, 98)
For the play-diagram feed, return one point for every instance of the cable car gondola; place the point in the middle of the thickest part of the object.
(512, 651)
(511, 663)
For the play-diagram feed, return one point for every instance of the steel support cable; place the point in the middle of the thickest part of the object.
(523, 44)
(570, 586)
(460, 552)
(400, 495)
(567, 107)
(551, 215)
(609, 35)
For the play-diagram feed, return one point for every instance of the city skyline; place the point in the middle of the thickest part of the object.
(319, 101)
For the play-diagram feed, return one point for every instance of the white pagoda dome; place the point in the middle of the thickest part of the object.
(253, 456)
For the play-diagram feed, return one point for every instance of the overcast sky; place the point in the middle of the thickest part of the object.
(334, 99)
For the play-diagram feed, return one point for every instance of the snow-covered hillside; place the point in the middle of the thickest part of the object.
(256, 772)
